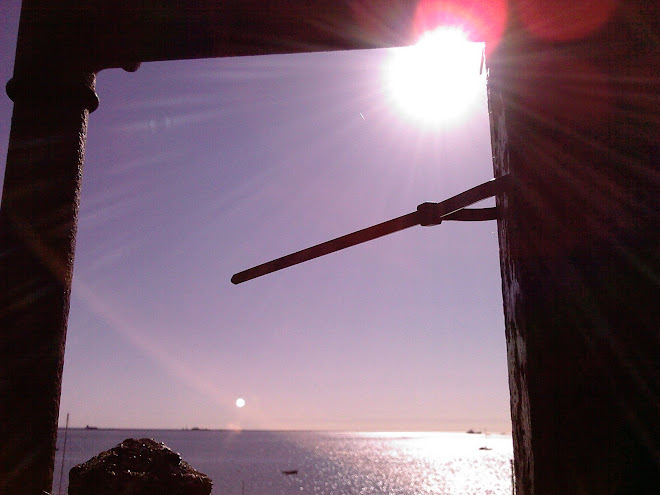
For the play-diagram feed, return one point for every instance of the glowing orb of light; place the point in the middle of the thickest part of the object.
(240, 402)
(436, 81)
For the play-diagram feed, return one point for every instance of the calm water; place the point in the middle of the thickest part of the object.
(327, 462)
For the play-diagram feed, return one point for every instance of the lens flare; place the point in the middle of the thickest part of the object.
(436, 81)
(565, 20)
(480, 20)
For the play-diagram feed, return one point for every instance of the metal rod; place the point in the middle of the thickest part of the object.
(328, 247)
(66, 431)
(473, 215)
(426, 214)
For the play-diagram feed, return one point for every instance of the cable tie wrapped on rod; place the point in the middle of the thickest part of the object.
(427, 214)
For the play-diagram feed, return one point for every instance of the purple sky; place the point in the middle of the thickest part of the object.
(196, 170)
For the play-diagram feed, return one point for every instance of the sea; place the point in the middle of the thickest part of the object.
(332, 463)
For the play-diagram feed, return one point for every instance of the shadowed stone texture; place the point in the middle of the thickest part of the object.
(138, 467)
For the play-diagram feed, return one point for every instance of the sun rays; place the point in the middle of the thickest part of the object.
(437, 81)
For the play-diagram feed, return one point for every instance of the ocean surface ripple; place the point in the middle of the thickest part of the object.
(333, 463)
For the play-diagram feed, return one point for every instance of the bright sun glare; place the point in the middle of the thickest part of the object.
(436, 81)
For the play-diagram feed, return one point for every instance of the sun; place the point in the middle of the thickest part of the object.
(436, 81)
(240, 402)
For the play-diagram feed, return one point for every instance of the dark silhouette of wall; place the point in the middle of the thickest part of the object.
(575, 119)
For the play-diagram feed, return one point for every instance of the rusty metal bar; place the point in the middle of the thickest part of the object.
(426, 214)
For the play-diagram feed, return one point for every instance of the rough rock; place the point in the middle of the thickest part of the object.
(138, 467)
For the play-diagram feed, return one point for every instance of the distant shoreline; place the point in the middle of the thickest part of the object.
(200, 429)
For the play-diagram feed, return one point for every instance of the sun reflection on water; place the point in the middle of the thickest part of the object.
(420, 463)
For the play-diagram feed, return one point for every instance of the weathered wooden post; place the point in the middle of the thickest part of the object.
(574, 96)
(52, 98)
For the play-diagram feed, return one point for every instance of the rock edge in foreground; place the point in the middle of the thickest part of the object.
(138, 467)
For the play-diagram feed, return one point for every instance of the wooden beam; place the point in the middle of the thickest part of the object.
(575, 120)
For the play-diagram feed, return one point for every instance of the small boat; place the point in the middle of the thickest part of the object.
(289, 472)
(485, 445)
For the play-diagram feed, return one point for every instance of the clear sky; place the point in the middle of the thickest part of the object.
(197, 170)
